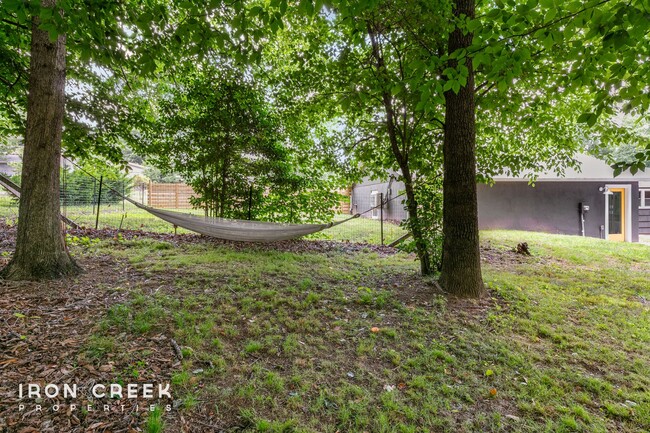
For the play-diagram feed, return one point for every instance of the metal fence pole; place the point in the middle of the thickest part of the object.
(250, 200)
(99, 201)
(64, 195)
(94, 192)
(381, 215)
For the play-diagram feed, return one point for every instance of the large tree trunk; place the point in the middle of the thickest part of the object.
(40, 248)
(461, 261)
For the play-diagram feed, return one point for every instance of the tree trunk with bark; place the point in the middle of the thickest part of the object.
(461, 261)
(41, 252)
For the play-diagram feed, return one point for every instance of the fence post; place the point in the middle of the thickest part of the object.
(64, 195)
(381, 215)
(99, 201)
(250, 200)
(94, 191)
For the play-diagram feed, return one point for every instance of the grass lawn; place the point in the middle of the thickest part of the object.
(331, 340)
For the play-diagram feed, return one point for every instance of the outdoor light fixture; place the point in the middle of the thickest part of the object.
(605, 190)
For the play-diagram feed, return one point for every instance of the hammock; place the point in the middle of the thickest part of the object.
(237, 230)
(233, 229)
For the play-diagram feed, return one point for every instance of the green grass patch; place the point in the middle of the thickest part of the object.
(326, 342)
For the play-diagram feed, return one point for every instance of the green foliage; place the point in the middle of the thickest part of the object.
(215, 128)
(429, 195)
(155, 422)
(78, 188)
(113, 47)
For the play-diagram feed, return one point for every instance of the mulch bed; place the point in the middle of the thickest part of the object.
(43, 329)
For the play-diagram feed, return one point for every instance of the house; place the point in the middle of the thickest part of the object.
(9, 164)
(589, 202)
(366, 196)
(586, 202)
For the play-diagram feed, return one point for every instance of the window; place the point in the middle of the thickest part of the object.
(644, 198)
(375, 199)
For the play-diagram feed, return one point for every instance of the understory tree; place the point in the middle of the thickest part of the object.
(390, 123)
(215, 128)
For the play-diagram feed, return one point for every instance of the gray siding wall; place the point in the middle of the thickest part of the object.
(361, 199)
(550, 207)
(644, 221)
(6, 169)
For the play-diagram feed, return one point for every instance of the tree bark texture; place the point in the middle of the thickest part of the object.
(41, 252)
(461, 261)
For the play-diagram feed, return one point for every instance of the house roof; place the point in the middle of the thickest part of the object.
(591, 169)
(6, 159)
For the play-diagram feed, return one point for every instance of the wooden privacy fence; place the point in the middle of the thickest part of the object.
(177, 196)
(344, 204)
(169, 195)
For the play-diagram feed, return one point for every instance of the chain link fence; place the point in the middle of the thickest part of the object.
(99, 203)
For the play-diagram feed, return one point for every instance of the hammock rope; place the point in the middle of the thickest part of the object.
(14, 190)
(234, 229)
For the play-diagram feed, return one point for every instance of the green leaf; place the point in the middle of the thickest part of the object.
(588, 118)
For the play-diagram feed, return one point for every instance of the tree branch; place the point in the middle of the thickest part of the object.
(13, 23)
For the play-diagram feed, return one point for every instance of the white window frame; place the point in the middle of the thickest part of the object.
(628, 211)
(644, 203)
(375, 195)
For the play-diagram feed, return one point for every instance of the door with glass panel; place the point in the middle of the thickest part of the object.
(616, 214)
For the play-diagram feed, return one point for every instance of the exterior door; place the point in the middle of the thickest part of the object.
(616, 215)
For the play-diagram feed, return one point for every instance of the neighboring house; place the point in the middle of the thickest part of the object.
(9, 164)
(591, 202)
(136, 169)
(369, 193)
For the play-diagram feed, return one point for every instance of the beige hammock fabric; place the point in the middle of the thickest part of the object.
(237, 230)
